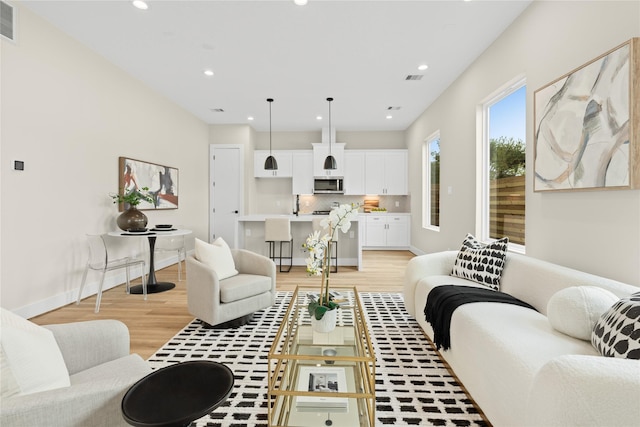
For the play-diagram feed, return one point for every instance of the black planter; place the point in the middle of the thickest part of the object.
(132, 219)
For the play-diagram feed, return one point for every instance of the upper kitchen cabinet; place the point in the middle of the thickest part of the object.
(320, 152)
(386, 172)
(354, 177)
(302, 182)
(285, 164)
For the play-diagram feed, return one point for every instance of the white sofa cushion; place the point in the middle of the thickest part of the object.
(617, 332)
(217, 256)
(482, 263)
(496, 351)
(575, 310)
(34, 358)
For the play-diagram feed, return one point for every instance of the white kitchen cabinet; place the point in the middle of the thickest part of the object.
(285, 165)
(320, 153)
(302, 172)
(387, 230)
(386, 172)
(354, 178)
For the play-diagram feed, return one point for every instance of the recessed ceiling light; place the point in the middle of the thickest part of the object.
(389, 116)
(423, 67)
(318, 117)
(300, 2)
(250, 118)
(142, 5)
(208, 73)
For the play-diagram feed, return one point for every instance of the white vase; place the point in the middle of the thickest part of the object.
(327, 323)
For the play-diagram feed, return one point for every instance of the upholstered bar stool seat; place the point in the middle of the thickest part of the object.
(278, 230)
(316, 226)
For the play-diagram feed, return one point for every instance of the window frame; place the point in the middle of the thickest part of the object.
(483, 156)
(426, 182)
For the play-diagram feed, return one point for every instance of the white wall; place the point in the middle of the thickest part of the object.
(595, 231)
(69, 114)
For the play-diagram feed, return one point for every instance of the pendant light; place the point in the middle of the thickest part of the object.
(270, 163)
(330, 161)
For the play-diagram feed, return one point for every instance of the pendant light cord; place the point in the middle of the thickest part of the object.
(269, 100)
(329, 99)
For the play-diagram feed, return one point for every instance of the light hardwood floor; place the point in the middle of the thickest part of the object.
(155, 321)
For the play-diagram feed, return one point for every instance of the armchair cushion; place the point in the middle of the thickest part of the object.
(33, 357)
(216, 255)
(243, 286)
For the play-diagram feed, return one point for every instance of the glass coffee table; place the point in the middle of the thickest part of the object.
(322, 379)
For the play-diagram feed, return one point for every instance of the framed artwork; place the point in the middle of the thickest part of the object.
(162, 182)
(587, 125)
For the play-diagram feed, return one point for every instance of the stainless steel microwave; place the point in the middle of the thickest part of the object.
(328, 185)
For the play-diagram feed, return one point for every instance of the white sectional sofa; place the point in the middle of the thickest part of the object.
(515, 365)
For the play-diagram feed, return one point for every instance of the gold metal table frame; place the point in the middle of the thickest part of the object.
(299, 354)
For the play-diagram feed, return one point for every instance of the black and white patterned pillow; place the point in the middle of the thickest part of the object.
(482, 263)
(617, 333)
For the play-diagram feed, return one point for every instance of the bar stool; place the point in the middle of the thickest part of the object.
(278, 230)
(315, 225)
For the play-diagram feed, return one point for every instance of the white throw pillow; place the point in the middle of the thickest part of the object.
(32, 355)
(216, 255)
(575, 310)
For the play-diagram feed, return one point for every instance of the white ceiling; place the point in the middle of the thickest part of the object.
(358, 52)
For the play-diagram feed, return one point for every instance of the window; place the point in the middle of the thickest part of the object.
(504, 144)
(431, 182)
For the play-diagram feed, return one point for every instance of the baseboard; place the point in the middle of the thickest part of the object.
(91, 288)
(416, 251)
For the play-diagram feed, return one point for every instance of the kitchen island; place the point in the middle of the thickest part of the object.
(250, 232)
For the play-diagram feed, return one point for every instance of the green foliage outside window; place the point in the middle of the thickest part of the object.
(507, 157)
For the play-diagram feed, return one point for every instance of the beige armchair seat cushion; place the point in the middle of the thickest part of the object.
(243, 286)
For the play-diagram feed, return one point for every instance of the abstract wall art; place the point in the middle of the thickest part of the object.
(162, 181)
(587, 125)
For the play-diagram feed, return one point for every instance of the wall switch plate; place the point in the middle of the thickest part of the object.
(18, 165)
(352, 234)
(247, 232)
(449, 190)
(397, 204)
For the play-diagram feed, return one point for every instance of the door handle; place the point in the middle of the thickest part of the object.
(235, 212)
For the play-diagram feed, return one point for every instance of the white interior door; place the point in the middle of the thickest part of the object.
(227, 190)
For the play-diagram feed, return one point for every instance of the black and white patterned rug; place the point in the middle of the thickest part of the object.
(413, 387)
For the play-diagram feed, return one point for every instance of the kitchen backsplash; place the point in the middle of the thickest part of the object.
(323, 202)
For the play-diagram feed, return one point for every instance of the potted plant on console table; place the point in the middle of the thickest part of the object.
(323, 310)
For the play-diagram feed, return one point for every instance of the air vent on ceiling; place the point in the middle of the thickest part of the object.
(413, 77)
(7, 21)
(217, 110)
(392, 108)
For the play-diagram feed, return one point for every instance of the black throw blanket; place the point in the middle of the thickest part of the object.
(443, 300)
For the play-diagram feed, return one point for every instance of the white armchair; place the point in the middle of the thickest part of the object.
(231, 302)
(101, 370)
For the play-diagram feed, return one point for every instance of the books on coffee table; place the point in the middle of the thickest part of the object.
(327, 380)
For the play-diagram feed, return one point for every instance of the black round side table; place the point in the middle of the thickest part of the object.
(178, 394)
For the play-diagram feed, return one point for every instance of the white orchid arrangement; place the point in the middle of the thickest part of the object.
(319, 248)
